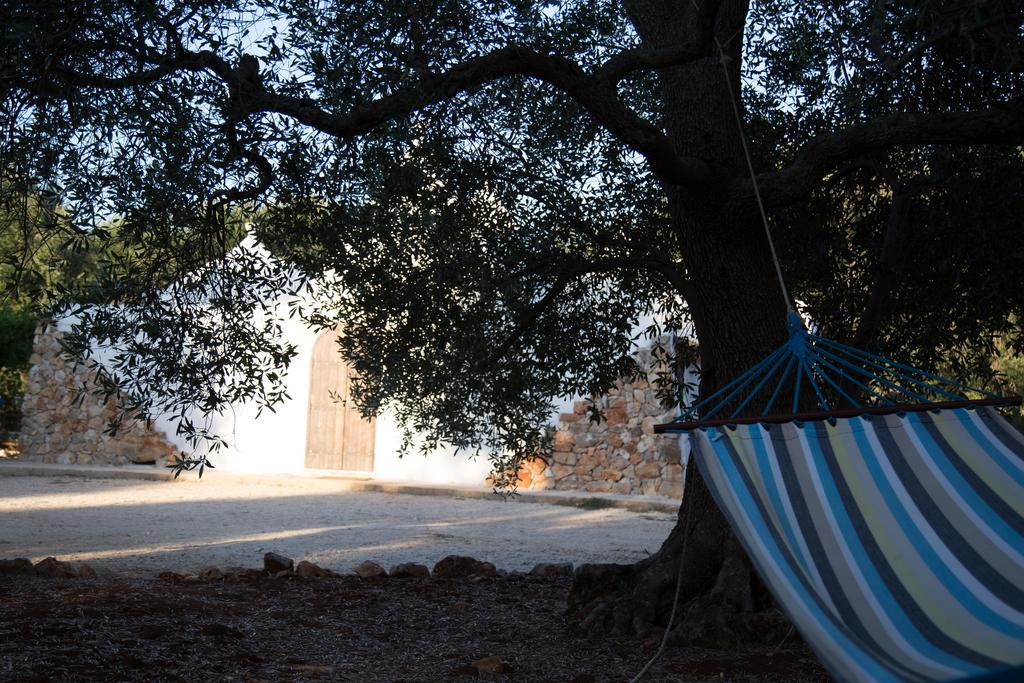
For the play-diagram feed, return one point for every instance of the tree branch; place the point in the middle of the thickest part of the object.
(998, 125)
(569, 272)
(528, 320)
(885, 272)
(595, 93)
(894, 65)
(596, 96)
(624, 63)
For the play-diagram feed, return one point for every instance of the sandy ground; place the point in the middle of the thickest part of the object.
(139, 528)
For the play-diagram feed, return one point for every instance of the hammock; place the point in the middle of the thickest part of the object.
(891, 533)
(891, 530)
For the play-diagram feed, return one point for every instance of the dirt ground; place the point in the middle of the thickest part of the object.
(126, 625)
(136, 529)
(337, 629)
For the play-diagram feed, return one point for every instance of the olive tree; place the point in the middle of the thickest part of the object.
(489, 196)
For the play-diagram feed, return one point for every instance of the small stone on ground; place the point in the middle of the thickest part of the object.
(460, 566)
(409, 570)
(370, 570)
(274, 563)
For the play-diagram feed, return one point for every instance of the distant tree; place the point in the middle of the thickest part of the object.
(16, 326)
(489, 197)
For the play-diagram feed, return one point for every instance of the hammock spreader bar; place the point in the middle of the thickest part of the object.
(833, 370)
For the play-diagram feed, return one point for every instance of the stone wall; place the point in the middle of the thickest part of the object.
(621, 454)
(60, 425)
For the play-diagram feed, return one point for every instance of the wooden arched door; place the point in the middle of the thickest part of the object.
(337, 436)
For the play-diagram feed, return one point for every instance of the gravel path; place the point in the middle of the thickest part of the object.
(139, 528)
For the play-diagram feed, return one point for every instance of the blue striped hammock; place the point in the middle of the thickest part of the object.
(892, 535)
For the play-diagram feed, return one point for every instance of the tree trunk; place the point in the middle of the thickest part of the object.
(739, 314)
(739, 319)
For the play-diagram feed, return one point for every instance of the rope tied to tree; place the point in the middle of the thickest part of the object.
(724, 61)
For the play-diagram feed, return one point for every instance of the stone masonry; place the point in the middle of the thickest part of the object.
(59, 425)
(621, 454)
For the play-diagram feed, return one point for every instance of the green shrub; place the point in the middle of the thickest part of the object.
(16, 330)
(1009, 364)
(12, 393)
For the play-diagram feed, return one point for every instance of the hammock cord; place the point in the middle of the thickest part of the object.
(789, 307)
(675, 599)
(723, 60)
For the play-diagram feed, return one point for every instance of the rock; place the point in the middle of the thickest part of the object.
(309, 570)
(568, 483)
(674, 472)
(524, 479)
(564, 442)
(460, 566)
(591, 458)
(242, 574)
(370, 570)
(611, 474)
(569, 458)
(671, 453)
(552, 569)
(648, 469)
(171, 577)
(86, 572)
(647, 425)
(489, 665)
(560, 471)
(622, 486)
(656, 410)
(274, 563)
(543, 481)
(51, 566)
(210, 574)
(616, 415)
(670, 488)
(283, 574)
(19, 565)
(409, 570)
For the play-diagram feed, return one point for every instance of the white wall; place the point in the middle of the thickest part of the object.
(441, 466)
(276, 441)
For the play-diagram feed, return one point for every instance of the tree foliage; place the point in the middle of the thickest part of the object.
(481, 193)
(912, 251)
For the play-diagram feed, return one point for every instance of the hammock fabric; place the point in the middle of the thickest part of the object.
(895, 544)
(890, 532)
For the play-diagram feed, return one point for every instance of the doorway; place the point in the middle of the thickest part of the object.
(337, 436)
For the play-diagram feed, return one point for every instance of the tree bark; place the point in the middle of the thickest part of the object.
(738, 310)
(739, 316)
